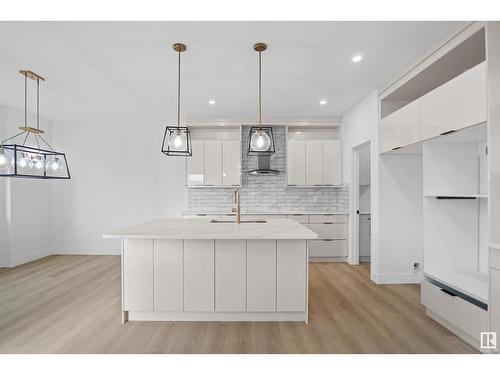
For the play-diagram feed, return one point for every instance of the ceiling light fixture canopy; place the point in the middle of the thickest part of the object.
(32, 161)
(260, 138)
(177, 139)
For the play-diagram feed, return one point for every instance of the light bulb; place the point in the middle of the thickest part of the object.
(260, 141)
(55, 164)
(23, 161)
(38, 163)
(5, 160)
(176, 140)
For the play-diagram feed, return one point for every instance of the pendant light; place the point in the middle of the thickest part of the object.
(33, 161)
(260, 138)
(177, 139)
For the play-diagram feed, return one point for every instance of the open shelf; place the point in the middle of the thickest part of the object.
(471, 283)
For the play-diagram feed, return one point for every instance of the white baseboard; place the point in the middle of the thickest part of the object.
(85, 251)
(397, 278)
(28, 257)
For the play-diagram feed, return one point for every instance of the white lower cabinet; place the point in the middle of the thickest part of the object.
(230, 275)
(261, 275)
(465, 316)
(329, 230)
(327, 248)
(138, 275)
(291, 257)
(168, 275)
(198, 275)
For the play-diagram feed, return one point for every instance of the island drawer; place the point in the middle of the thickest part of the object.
(329, 218)
(327, 248)
(330, 231)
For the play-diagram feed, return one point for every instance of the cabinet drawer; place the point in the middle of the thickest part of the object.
(466, 316)
(262, 217)
(333, 231)
(327, 218)
(327, 248)
(303, 219)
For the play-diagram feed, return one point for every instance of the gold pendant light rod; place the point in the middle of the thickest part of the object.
(260, 47)
(179, 48)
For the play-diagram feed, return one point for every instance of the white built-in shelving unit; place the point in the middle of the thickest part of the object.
(437, 120)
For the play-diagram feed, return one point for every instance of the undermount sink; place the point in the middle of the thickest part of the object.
(241, 222)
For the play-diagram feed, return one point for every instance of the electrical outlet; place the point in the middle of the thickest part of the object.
(416, 266)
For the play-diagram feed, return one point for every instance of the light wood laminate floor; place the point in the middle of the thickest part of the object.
(71, 304)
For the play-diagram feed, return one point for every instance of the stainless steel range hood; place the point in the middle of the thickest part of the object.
(263, 167)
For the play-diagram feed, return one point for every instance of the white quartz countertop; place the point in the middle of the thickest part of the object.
(278, 229)
(265, 213)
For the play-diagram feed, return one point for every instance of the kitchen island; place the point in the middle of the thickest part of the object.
(206, 270)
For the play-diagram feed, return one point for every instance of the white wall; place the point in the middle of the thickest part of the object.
(360, 125)
(25, 205)
(400, 218)
(119, 177)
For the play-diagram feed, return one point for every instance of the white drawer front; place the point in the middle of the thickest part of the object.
(466, 316)
(301, 218)
(262, 217)
(327, 218)
(333, 248)
(329, 231)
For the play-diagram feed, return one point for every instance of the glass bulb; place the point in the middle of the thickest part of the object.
(176, 140)
(38, 163)
(5, 160)
(23, 161)
(260, 141)
(55, 164)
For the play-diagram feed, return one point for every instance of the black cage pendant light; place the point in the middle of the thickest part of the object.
(177, 139)
(34, 157)
(260, 138)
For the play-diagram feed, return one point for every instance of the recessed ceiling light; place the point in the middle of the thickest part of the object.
(357, 58)
(211, 102)
(322, 102)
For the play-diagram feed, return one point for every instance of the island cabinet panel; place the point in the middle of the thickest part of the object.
(230, 275)
(261, 275)
(291, 275)
(168, 275)
(198, 275)
(138, 275)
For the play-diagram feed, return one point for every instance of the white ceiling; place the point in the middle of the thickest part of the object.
(106, 70)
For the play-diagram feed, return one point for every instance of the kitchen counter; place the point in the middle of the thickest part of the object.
(267, 213)
(198, 270)
(205, 229)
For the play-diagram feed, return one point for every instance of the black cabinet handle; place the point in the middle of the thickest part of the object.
(396, 148)
(448, 292)
(448, 132)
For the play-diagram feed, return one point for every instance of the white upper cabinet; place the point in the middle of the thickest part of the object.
(213, 163)
(314, 162)
(231, 166)
(296, 169)
(457, 104)
(332, 162)
(195, 165)
(401, 128)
